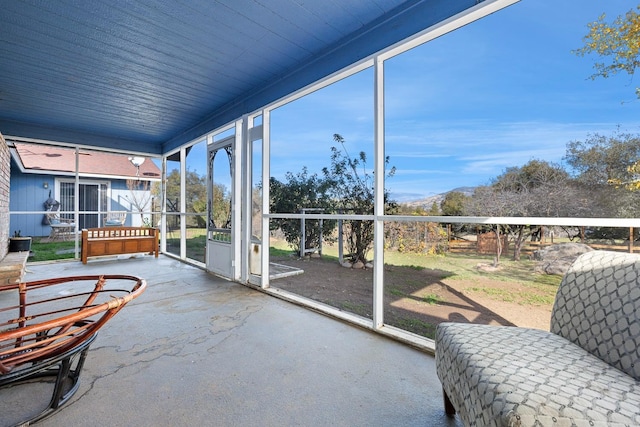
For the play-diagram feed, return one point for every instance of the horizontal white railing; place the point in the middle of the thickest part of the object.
(489, 220)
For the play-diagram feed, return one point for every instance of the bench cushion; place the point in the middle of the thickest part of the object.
(506, 376)
(598, 308)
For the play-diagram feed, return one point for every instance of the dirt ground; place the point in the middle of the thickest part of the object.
(415, 299)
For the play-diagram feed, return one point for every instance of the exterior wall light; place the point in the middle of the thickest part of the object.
(137, 162)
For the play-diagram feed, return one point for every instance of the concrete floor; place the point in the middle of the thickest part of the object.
(198, 350)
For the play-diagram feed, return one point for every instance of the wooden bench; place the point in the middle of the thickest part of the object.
(118, 241)
(12, 267)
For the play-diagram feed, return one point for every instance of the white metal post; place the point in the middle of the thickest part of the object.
(76, 204)
(378, 208)
(163, 206)
(236, 190)
(266, 155)
(183, 203)
(303, 233)
(244, 194)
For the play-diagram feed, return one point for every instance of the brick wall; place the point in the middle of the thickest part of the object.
(5, 164)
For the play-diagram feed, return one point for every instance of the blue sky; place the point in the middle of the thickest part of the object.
(460, 109)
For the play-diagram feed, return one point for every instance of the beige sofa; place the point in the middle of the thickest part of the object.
(585, 372)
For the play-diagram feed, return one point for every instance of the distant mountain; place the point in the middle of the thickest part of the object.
(438, 198)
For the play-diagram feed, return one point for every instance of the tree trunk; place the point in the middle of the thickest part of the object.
(517, 244)
(496, 261)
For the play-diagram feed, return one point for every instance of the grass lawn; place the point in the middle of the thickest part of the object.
(540, 289)
(49, 251)
(196, 243)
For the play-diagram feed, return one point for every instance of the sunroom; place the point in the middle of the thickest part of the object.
(218, 105)
(225, 97)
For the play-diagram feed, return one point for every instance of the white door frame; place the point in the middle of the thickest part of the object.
(232, 259)
(222, 245)
(251, 250)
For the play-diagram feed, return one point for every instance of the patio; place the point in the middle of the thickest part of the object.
(198, 350)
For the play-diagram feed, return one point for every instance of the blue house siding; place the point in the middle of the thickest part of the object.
(119, 193)
(27, 194)
(122, 200)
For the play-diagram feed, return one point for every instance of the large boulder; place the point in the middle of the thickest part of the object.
(556, 259)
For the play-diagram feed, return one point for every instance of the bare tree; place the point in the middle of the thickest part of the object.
(537, 189)
(140, 196)
(488, 201)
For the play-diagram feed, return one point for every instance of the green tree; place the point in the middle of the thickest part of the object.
(300, 191)
(599, 159)
(453, 203)
(352, 190)
(196, 195)
(434, 210)
(617, 43)
(600, 165)
(220, 211)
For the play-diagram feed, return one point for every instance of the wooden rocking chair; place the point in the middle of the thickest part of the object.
(47, 334)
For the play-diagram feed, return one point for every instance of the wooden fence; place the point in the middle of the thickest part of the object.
(528, 247)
